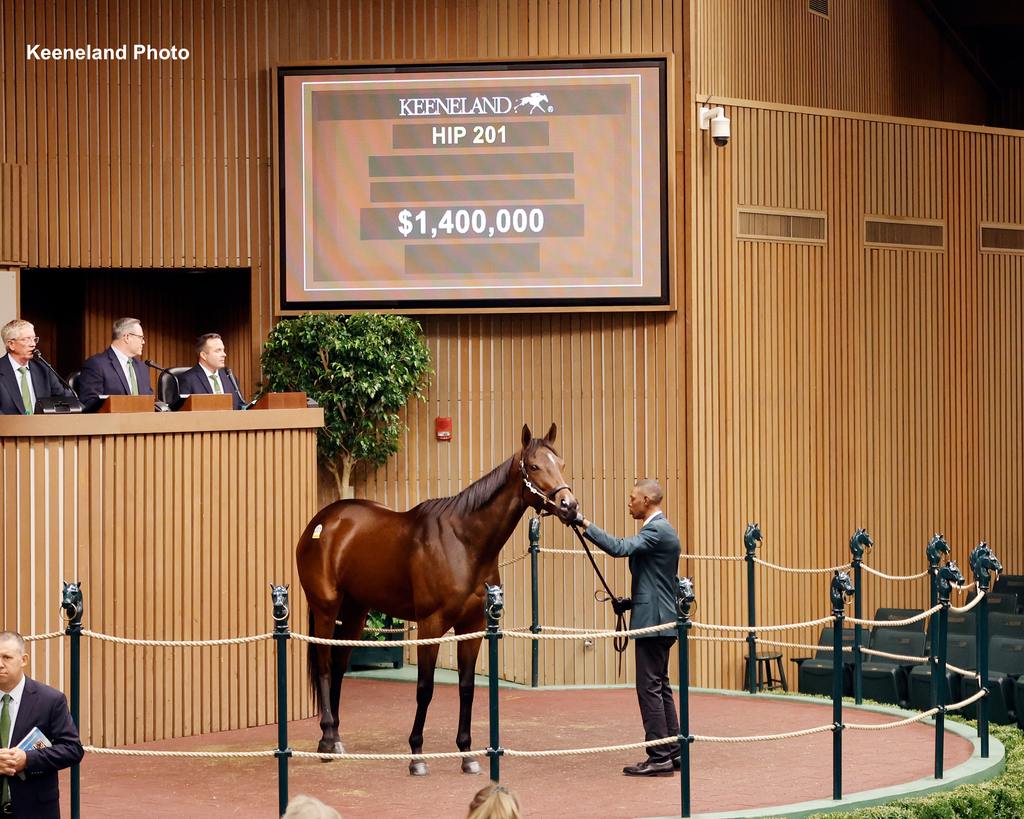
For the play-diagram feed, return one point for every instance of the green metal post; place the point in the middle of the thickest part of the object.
(751, 537)
(684, 600)
(279, 595)
(837, 703)
(494, 604)
(858, 613)
(983, 561)
(73, 605)
(534, 598)
(936, 547)
(939, 670)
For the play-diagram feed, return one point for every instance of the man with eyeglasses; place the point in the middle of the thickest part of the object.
(117, 370)
(24, 381)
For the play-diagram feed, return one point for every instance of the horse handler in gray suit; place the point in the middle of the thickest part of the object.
(654, 565)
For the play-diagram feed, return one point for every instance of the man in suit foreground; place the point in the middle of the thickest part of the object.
(28, 779)
(22, 380)
(117, 370)
(210, 374)
(654, 565)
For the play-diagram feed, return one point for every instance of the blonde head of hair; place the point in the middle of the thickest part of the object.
(494, 802)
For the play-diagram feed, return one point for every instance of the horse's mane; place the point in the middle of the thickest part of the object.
(481, 491)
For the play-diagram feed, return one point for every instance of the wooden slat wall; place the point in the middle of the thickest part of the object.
(13, 243)
(871, 56)
(84, 509)
(839, 386)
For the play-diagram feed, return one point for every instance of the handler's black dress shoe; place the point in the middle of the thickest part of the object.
(648, 768)
(676, 762)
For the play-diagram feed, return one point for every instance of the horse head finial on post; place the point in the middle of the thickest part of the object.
(860, 540)
(983, 563)
(685, 597)
(936, 547)
(71, 600)
(841, 589)
(495, 605)
(279, 597)
(949, 575)
(751, 537)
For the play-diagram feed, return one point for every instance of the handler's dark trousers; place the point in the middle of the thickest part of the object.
(657, 707)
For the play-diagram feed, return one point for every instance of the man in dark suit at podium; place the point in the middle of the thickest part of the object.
(28, 778)
(22, 380)
(210, 374)
(117, 370)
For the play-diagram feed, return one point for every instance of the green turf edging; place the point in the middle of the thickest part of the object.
(1001, 797)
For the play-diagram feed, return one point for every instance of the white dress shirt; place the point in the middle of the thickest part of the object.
(12, 708)
(652, 516)
(125, 364)
(28, 376)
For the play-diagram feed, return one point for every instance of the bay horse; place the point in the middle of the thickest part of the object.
(427, 565)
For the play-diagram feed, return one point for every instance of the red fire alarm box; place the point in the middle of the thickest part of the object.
(443, 429)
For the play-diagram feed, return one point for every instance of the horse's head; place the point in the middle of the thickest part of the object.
(71, 599)
(860, 540)
(948, 576)
(983, 562)
(936, 547)
(841, 588)
(751, 537)
(541, 468)
(279, 597)
(685, 596)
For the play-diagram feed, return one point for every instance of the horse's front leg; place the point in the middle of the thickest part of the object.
(468, 652)
(426, 659)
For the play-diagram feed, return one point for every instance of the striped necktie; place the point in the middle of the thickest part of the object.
(26, 395)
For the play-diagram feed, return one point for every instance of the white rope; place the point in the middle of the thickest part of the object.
(956, 706)
(791, 570)
(806, 646)
(510, 561)
(48, 636)
(963, 672)
(767, 737)
(894, 623)
(711, 557)
(388, 757)
(865, 726)
(187, 754)
(907, 657)
(967, 587)
(178, 643)
(570, 552)
(594, 750)
(964, 609)
(877, 573)
(635, 632)
(427, 641)
(716, 627)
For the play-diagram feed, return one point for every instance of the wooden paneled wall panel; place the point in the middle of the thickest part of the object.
(196, 576)
(872, 56)
(13, 230)
(839, 386)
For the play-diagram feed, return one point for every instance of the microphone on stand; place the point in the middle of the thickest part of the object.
(177, 386)
(234, 383)
(56, 403)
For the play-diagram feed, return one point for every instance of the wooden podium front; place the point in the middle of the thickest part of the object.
(281, 400)
(127, 403)
(201, 401)
(176, 523)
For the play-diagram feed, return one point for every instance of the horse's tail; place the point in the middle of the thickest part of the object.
(311, 669)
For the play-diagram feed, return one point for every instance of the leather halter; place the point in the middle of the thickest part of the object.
(547, 498)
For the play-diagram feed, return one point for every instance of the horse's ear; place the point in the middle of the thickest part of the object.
(527, 437)
(552, 433)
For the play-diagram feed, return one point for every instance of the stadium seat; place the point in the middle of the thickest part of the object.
(814, 675)
(1006, 664)
(883, 679)
(961, 651)
(1006, 625)
(884, 613)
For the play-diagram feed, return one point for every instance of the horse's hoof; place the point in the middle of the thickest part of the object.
(418, 768)
(338, 747)
(470, 766)
(325, 746)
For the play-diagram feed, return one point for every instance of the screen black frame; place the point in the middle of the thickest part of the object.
(505, 304)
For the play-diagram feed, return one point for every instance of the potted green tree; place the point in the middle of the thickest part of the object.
(362, 370)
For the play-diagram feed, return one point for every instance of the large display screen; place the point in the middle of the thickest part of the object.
(474, 185)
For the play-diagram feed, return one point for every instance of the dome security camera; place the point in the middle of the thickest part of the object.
(715, 120)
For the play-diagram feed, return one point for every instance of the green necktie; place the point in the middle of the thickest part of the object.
(5, 741)
(26, 396)
(217, 388)
(133, 383)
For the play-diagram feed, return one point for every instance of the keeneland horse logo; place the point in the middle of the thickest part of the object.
(537, 102)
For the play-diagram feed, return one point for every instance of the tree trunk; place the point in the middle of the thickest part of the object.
(342, 477)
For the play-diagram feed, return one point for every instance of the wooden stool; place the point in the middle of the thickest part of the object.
(766, 680)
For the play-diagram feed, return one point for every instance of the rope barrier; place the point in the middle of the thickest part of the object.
(963, 672)
(510, 561)
(964, 609)
(791, 570)
(877, 573)
(875, 652)
(721, 639)
(389, 757)
(593, 750)
(128, 641)
(714, 627)
(868, 726)
(186, 754)
(977, 695)
(805, 646)
(894, 623)
(767, 737)
(31, 638)
(426, 641)
(711, 557)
